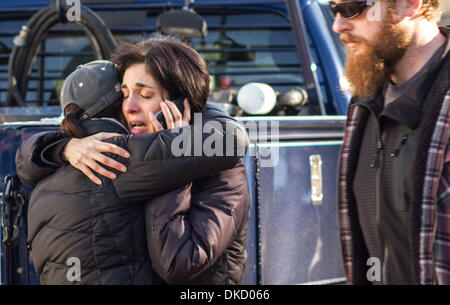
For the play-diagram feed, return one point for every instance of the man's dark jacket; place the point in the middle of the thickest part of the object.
(429, 231)
(104, 226)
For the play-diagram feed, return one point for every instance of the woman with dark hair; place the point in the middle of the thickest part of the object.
(197, 233)
(101, 227)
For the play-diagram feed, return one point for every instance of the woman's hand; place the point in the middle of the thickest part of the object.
(83, 154)
(172, 115)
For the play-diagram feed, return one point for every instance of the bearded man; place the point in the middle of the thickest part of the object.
(394, 172)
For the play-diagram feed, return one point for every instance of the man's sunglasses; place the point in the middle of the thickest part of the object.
(349, 9)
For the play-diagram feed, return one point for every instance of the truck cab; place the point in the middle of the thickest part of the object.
(282, 53)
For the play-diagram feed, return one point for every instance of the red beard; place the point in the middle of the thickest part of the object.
(370, 69)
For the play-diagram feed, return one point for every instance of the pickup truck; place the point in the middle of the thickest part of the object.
(283, 52)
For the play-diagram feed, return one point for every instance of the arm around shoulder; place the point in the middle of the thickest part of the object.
(169, 159)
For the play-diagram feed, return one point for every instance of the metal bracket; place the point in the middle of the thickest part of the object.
(315, 163)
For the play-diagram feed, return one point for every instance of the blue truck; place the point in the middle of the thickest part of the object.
(283, 52)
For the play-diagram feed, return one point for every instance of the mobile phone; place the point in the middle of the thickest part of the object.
(160, 115)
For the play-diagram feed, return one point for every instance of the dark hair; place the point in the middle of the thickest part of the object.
(177, 67)
(71, 123)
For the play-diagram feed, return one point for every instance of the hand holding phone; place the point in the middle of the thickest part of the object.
(179, 103)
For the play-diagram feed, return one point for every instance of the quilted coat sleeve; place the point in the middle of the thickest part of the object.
(32, 163)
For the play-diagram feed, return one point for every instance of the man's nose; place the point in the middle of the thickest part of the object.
(341, 25)
(131, 105)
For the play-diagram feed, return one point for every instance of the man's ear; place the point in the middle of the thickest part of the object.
(412, 8)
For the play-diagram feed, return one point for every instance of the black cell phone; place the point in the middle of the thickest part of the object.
(160, 115)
